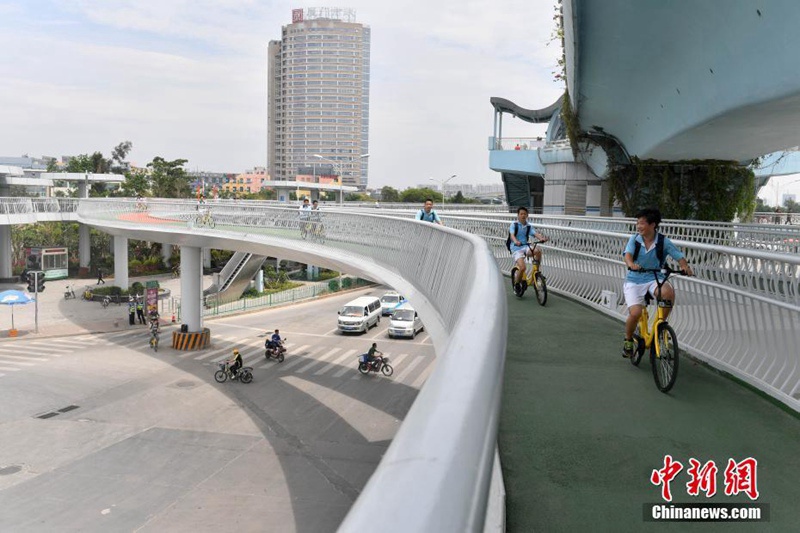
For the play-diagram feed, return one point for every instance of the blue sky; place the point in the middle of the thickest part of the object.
(187, 78)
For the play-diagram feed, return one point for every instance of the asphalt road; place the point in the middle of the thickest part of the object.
(98, 433)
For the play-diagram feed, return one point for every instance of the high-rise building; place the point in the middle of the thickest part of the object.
(318, 95)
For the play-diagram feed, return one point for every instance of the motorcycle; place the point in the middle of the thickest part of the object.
(245, 374)
(69, 293)
(379, 364)
(275, 351)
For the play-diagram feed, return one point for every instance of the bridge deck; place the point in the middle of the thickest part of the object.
(581, 429)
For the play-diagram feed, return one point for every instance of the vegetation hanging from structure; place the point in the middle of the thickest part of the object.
(688, 190)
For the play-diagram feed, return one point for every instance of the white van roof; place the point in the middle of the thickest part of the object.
(362, 301)
(405, 305)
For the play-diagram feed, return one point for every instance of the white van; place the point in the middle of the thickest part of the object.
(405, 322)
(360, 314)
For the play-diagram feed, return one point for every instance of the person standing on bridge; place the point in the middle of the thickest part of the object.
(427, 214)
(647, 249)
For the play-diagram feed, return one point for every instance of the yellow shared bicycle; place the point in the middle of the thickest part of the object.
(658, 335)
(532, 278)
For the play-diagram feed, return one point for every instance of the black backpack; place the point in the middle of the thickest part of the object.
(659, 249)
(516, 228)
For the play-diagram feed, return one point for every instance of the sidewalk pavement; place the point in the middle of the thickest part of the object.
(59, 317)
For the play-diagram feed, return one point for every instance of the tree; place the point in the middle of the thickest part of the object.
(52, 166)
(419, 195)
(389, 194)
(357, 197)
(118, 155)
(168, 178)
(136, 183)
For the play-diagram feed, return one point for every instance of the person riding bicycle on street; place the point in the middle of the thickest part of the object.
(235, 362)
(520, 232)
(642, 252)
(155, 326)
(275, 341)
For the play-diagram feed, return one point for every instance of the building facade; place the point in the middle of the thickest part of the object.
(318, 96)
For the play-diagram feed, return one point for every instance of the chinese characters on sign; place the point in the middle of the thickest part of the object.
(738, 477)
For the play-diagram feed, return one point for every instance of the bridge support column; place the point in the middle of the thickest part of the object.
(84, 250)
(260, 280)
(191, 288)
(121, 262)
(5, 252)
(83, 188)
(207, 258)
(565, 188)
(166, 254)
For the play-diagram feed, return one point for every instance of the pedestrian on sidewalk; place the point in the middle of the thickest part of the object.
(140, 311)
(131, 311)
(100, 277)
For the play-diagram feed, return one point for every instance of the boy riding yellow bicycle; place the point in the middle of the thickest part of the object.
(648, 249)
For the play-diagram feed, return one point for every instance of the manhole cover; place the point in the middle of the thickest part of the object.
(186, 384)
(7, 471)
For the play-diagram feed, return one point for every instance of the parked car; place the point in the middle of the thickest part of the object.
(405, 322)
(389, 301)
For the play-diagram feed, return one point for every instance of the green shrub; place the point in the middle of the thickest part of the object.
(347, 283)
(333, 285)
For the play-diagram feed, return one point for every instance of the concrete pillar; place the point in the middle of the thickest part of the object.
(5, 252)
(121, 262)
(206, 257)
(594, 198)
(83, 188)
(191, 288)
(309, 272)
(84, 250)
(260, 280)
(565, 188)
(166, 253)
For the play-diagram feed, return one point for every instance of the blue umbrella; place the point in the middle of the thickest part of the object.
(13, 298)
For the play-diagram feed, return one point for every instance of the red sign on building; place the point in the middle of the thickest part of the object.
(297, 15)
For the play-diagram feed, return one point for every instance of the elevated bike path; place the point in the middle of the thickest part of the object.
(582, 429)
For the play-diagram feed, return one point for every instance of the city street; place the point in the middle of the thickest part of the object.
(99, 433)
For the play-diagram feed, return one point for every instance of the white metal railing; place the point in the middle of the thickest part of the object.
(741, 314)
(454, 279)
(517, 143)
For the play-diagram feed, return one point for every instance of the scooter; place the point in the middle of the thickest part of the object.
(69, 293)
(276, 351)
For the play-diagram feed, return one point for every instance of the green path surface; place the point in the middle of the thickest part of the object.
(581, 429)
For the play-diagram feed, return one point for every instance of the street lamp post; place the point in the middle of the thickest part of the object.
(338, 169)
(443, 182)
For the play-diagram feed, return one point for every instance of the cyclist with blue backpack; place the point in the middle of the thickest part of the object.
(647, 249)
(517, 242)
(427, 214)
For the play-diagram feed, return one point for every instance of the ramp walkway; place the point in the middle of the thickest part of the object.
(234, 278)
(581, 429)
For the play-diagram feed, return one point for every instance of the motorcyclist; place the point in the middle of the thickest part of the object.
(235, 362)
(373, 353)
(275, 342)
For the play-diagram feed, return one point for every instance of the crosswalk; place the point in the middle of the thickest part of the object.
(315, 360)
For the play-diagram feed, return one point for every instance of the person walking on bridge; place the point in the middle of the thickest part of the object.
(100, 276)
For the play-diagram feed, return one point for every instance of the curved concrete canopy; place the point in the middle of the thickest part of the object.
(535, 116)
(683, 80)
